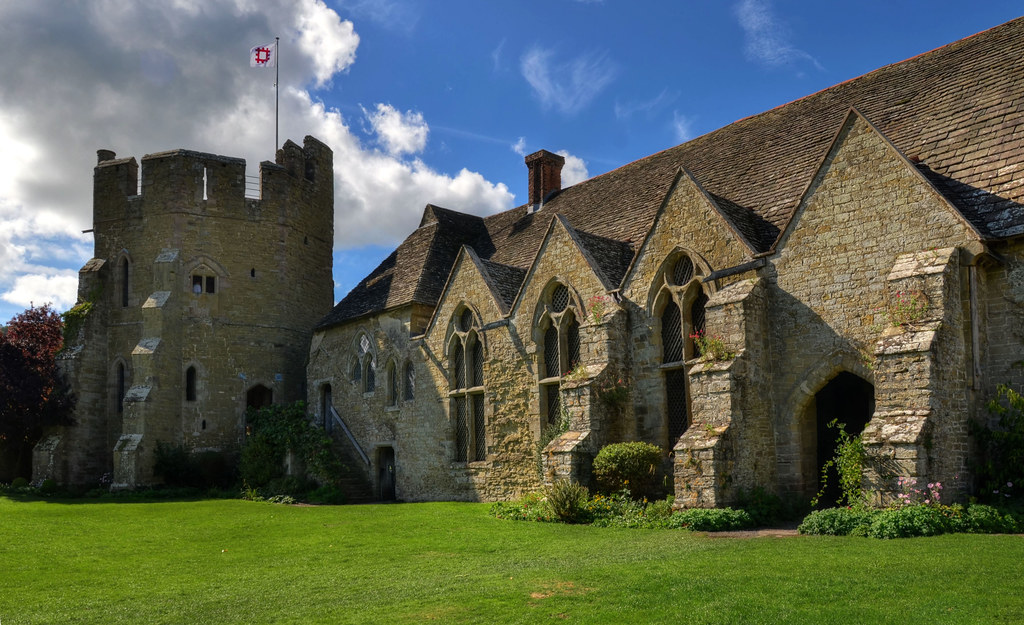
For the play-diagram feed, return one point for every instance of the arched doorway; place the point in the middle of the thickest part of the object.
(386, 473)
(847, 399)
(258, 397)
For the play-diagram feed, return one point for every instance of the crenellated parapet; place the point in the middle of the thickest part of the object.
(295, 188)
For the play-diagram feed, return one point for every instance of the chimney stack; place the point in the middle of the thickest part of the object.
(545, 176)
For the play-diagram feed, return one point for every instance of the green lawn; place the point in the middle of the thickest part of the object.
(88, 561)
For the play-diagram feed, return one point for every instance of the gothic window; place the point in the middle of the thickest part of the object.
(363, 368)
(409, 379)
(392, 384)
(681, 292)
(559, 334)
(369, 377)
(326, 404)
(125, 284)
(122, 386)
(466, 389)
(190, 384)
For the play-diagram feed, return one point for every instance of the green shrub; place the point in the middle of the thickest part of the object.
(660, 508)
(48, 487)
(908, 522)
(837, 522)
(1002, 447)
(261, 461)
(274, 431)
(567, 500)
(531, 507)
(710, 520)
(327, 494)
(634, 466)
(763, 507)
(19, 482)
(982, 519)
(848, 464)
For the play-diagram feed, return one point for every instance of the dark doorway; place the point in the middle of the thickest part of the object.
(258, 397)
(386, 473)
(850, 400)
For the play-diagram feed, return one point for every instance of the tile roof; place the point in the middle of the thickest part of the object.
(957, 111)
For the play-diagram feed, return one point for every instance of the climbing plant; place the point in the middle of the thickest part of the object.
(848, 463)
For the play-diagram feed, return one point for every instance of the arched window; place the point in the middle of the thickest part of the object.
(125, 282)
(122, 386)
(392, 385)
(681, 290)
(190, 384)
(409, 378)
(363, 372)
(326, 406)
(369, 377)
(466, 389)
(559, 333)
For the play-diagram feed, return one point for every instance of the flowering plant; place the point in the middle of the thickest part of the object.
(613, 391)
(598, 306)
(907, 307)
(710, 346)
(911, 495)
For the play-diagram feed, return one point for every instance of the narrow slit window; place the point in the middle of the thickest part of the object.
(190, 384)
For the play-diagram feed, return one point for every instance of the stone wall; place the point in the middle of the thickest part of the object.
(264, 279)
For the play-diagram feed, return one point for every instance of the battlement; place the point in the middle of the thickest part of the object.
(186, 181)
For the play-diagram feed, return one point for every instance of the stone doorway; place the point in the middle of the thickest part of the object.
(258, 397)
(850, 400)
(386, 473)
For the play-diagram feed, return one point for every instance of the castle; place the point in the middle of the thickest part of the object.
(854, 255)
(202, 303)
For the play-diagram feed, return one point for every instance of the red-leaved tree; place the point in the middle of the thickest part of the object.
(33, 393)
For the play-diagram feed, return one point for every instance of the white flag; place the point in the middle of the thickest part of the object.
(263, 56)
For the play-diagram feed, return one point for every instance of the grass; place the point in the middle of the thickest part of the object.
(232, 561)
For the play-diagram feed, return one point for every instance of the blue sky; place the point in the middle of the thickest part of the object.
(422, 102)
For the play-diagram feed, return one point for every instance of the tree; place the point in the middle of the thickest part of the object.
(33, 393)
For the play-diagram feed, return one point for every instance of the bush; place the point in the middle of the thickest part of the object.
(634, 466)
(711, 520)
(763, 507)
(48, 487)
(568, 500)
(19, 482)
(982, 519)
(531, 507)
(277, 429)
(327, 494)
(837, 522)
(1002, 446)
(908, 522)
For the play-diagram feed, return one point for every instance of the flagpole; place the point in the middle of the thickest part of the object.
(277, 88)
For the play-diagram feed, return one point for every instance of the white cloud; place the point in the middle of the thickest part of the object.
(58, 289)
(683, 127)
(629, 108)
(400, 133)
(519, 147)
(330, 42)
(767, 37)
(574, 170)
(145, 77)
(568, 86)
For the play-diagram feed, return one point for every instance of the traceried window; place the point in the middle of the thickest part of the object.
(681, 302)
(559, 334)
(393, 385)
(466, 389)
(409, 382)
(363, 367)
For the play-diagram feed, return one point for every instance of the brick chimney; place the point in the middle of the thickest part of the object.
(545, 176)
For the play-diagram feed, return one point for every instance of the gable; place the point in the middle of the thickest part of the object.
(688, 221)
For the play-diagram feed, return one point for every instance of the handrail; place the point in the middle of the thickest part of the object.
(348, 433)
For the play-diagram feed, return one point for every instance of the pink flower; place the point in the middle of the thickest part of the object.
(1009, 484)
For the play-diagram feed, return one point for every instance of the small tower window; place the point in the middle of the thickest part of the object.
(190, 384)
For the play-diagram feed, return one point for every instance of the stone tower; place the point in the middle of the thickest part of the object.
(200, 302)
